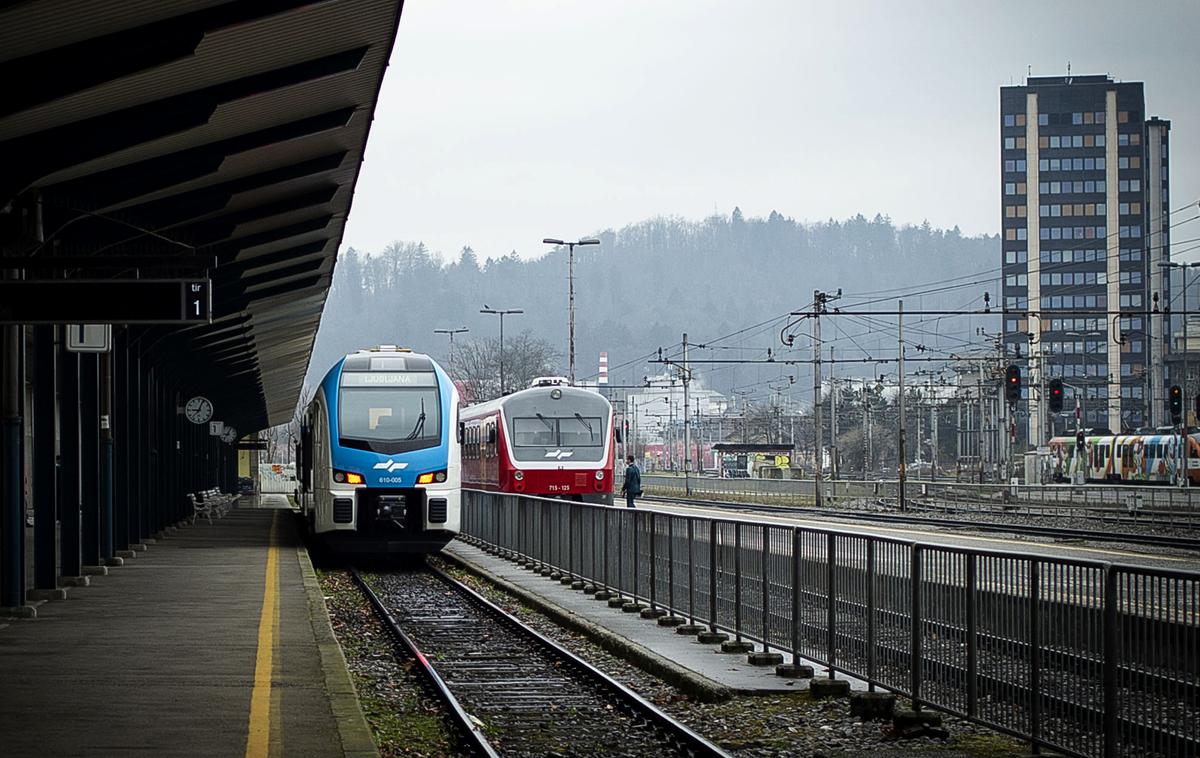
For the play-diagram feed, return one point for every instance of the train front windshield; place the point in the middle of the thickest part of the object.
(577, 423)
(375, 415)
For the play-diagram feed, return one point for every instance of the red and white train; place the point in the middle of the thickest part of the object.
(550, 440)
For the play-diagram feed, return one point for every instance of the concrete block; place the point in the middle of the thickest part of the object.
(567, 579)
(872, 706)
(74, 581)
(149, 541)
(794, 671)
(546, 571)
(905, 720)
(589, 589)
(633, 607)
(822, 687)
(764, 658)
(653, 613)
(19, 612)
(95, 570)
(555, 576)
(616, 601)
(56, 594)
(672, 621)
(126, 554)
(577, 585)
(138, 547)
(114, 561)
(736, 646)
(690, 629)
(711, 638)
(602, 595)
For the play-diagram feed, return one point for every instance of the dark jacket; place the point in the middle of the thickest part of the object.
(633, 481)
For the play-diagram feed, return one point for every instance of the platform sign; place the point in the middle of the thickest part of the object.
(216, 428)
(89, 338)
(106, 301)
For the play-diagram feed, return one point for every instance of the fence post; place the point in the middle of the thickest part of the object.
(653, 560)
(712, 575)
(737, 580)
(1035, 655)
(637, 562)
(917, 660)
(1111, 638)
(972, 641)
(796, 610)
(691, 524)
(872, 674)
(830, 606)
(764, 551)
(571, 532)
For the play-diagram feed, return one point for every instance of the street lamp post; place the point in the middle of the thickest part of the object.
(450, 333)
(501, 313)
(571, 296)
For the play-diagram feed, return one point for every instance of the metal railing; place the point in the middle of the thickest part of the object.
(1113, 504)
(1085, 657)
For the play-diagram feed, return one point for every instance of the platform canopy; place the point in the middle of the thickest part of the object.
(163, 139)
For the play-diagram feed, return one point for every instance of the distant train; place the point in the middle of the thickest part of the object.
(1126, 458)
(379, 456)
(552, 440)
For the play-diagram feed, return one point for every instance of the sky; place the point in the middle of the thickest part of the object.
(502, 122)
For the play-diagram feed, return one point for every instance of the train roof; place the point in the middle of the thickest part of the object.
(486, 408)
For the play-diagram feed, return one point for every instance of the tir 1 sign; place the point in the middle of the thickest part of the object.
(106, 301)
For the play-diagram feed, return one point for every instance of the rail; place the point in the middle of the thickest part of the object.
(1171, 507)
(1085, 657)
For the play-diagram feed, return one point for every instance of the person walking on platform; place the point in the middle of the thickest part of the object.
(633, 481)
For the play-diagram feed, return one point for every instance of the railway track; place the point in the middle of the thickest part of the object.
(1184, 543)
(509, 691)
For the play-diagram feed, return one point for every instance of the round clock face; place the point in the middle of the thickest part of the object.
(198, 410)
(229, 435)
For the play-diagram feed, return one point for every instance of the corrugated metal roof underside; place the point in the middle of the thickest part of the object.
(229, 129)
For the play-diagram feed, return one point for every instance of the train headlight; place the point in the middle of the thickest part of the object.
(599, 475)
(431, 477)
(519, 476)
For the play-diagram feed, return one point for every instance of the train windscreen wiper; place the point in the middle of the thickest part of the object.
(584, 421)
(419, 428)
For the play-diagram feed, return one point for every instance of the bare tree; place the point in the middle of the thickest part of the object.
(526, 357)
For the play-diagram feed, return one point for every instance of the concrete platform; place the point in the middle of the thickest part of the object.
(714, 669)
(172, 654)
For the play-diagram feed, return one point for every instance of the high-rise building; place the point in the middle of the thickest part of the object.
(1085, 214)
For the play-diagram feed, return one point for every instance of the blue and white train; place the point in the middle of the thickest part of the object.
(379, 456)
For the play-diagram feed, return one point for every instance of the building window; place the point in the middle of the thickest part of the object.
(1010, 188)
(1055, 141)
(1010, 143)
(1022, 234)
(1020, 143)
(1010, 119)
(1043, 119)
(1021, 165)
(1076, 118)
(1020, 188)
(1043, 142)
(1122, 117)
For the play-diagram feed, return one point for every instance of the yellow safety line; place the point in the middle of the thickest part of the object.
(258, 741)
(800, 520)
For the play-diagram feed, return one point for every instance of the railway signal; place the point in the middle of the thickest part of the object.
(1012, 383)
(1176, 397)
(1055, 389)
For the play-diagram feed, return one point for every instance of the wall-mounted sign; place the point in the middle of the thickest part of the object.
(216, 428)
(89, 338)
(198, 410)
